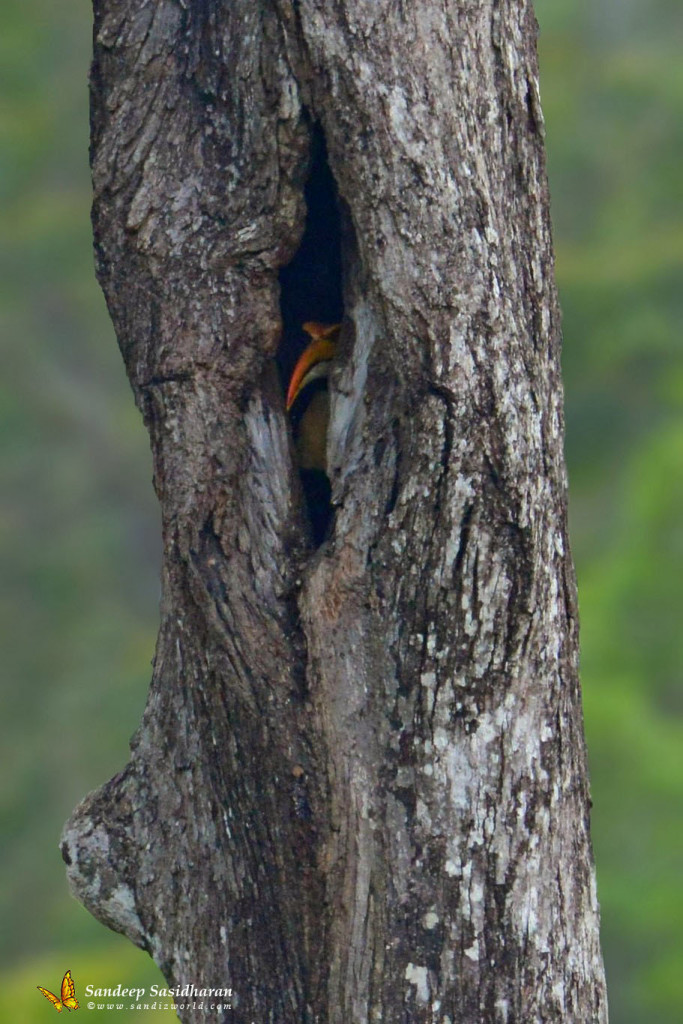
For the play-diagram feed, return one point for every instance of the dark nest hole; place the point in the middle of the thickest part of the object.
(311, 289)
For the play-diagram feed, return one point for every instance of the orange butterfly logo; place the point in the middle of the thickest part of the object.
(68, 994)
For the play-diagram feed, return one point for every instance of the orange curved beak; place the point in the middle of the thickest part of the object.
(323, 348)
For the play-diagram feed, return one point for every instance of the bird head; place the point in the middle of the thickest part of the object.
(315, 360)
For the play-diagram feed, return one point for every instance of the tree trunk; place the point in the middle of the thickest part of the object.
(359, 791)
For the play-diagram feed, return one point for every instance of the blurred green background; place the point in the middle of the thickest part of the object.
(79, 543)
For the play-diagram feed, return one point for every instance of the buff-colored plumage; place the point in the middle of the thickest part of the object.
(311, 420)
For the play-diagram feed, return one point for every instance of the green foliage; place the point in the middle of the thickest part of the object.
(613, 98)
(78, 523)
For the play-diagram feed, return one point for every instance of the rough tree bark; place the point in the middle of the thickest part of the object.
(358, 792)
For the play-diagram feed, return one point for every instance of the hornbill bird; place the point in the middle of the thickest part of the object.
(308, 405)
